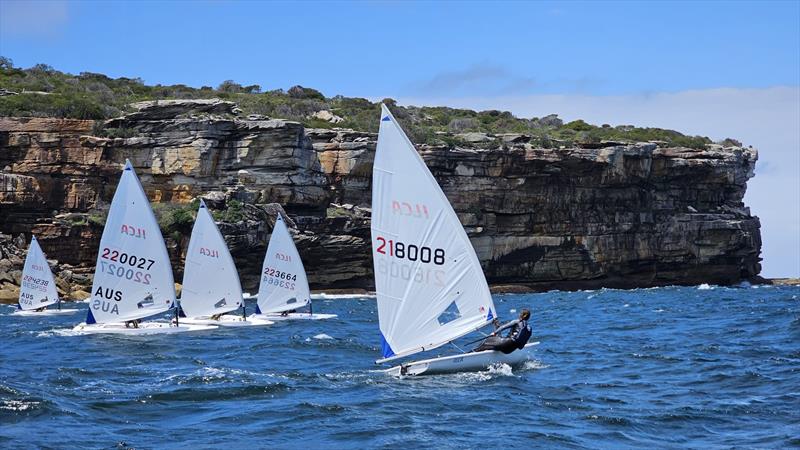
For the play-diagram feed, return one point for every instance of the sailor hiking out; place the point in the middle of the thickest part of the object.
(517, 337)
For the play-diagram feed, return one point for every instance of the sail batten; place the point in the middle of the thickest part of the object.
(423, 259)
(210, 281)
(284, 285)
(133, 276)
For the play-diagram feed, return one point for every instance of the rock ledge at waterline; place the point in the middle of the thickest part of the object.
(614, 215)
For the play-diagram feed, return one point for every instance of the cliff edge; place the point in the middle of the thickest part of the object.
(613, 214)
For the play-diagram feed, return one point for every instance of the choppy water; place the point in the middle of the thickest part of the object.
(668, 367)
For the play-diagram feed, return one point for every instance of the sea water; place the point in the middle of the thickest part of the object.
(667, 367)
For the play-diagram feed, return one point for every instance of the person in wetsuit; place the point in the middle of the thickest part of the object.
(516, 338)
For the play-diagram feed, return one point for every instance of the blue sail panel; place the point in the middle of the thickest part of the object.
(386, 349)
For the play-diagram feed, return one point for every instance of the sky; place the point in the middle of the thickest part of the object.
(717, 69)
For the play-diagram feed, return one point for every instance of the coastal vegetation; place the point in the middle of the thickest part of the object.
(42, 91)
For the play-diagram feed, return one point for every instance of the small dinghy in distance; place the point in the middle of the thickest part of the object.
(284, 286)
(430, 286)
(133, 277)
(211, 287)
(38, 289)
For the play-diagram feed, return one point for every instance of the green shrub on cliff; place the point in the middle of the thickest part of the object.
(233, 212)
(174, 217)
(97, 219)
(42, 91)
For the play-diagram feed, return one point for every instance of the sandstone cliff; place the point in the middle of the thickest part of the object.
(612, 214)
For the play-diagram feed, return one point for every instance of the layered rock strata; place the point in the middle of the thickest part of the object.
(616, 215)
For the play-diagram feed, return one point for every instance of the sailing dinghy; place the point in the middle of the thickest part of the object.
(430, 286)
(284, 286)
(211, 287)
(38, 288)
(133, 277)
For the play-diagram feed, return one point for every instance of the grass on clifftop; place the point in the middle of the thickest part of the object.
(41, 91)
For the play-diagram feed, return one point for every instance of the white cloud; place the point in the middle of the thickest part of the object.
(768, 119)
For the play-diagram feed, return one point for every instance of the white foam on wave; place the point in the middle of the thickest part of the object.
(501, 369)
(322, 336)
(211, 374)
(324, 296)
(534, 365)
(495, 370)
(17, 405)
(705, 287)
(58, 332)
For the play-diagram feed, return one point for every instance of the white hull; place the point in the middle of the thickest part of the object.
(144, 328)
(227, 320)
(46, 312)
(467, 362)
(275, 317)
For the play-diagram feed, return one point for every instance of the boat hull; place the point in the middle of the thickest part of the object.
(466, 362)
(277, 317)
(46, 312)
(144, 328)
(228, 320)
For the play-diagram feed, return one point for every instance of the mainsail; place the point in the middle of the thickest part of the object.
(429, 282)
(210, 281)
(38, 287)
(133, 277)
(284, 285)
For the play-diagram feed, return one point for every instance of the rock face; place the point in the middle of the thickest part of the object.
(618, 216)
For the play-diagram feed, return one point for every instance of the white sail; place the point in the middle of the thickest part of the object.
(284, 285)
(133, 277)
(38, 287)
(429, 282)
(210, 281)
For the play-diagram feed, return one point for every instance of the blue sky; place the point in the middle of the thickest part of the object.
(380, 49)
(714, 68)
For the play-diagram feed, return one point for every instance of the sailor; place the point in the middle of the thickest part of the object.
(133, 323)
(516, 338)
(287, 312)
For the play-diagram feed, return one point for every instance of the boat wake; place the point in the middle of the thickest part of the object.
(58, 332)
(534, 365)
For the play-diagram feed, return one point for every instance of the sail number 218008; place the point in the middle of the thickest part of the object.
(410, 252)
